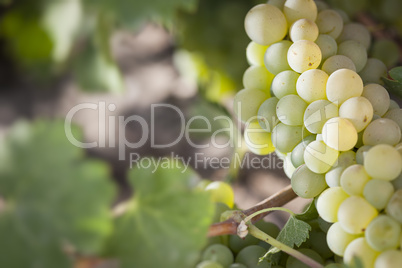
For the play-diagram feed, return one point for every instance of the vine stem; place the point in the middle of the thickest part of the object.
(248, 218)
(254, 231)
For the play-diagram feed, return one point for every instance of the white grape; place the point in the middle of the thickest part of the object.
(304, 55)
(330, 22)
(303, 29)
(357, 110)
(344, 84)
(339, 134)
(311, 85)
(383, 162)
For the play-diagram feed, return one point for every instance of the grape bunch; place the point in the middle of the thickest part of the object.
(313, 94)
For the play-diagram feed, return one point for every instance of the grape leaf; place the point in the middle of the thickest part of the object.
(166, 222)
(310, 213)
(394, 83)
(53, 197)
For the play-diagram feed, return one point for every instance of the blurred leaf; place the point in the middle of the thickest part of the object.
(54, 198)
(394, 83)
(166, 222)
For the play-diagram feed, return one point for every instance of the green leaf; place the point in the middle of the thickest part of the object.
(394, 83)
(310, 213)
(166, 222)
(294, 233)
(54, 198)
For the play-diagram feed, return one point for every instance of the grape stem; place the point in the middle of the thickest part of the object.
(254, 231)
(248, 218)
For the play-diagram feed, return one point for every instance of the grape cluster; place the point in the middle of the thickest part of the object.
(313, 94)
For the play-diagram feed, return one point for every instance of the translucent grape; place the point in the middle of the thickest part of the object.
(383, 162)
(373, 71)
(343, 14)
(250, 256)
(267, 114)
(255, 53)
(353, 179)
(311, 85)
(321, 5)
(236, 244)
(330, 22)
(383, 233)
(378, 96)
(385, 50)
(257, 77)
(357, 32)
(209, 264)
(360, 248)
(290, 110)
(299, 9)
(278, 3)
(292, 262)
(382, 131)
(333, 176)
(317, 113)
(297, 156)
(328, 46)
(319, 157)
(288, 166)
(397, 183)
(304, 55)
(306, 183)
(218, 253)
(285, 137)
(258, 140)
(247, 102)
(337, 62)
(344, 84)
(284, 83)
(265, 24)
(355, 214)
(329, 201)
(338, 239)
(303, 29)
(275, 57)
(361, 153)
(357, 110)
(339, 134)
(396, 116)
(355, 51)
(221, 192)
(378, 193)
(394, 206)
(389, 259)
(393, 105)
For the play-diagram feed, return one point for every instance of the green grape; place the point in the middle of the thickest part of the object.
(396, 116)
(345, 17)
(292, 262)
(317, 113)
(285, 138)
(397, 183)
(304, 55)
(378, 193)
(250, 256)
(344, 84)
(319, 158)
(359, 142)
(333, 176)
(357, 110)
(267, 114)
(357, 32)
(275, 58)
(236, 244)
(258, 78)
(265, 24)
(258, 140)
(394, 206)
(297, 155)
(382, 131)
(246, 103)
(361, 154)
(221, 192)
(355, 214)
(383, 162)
(328, 46)
(278, 3)
(290, 110)
(338, 239)
(353, 179)
(288, 167)
(284, 83)
(385, 50)
(218, 253)
(378, 96)
(339, 133)
(319, 244)
(361, 249)
(321, 5)
(337, 62)
(324, 225)
(330, 22)
(269, 228)
(299, 9)
(303, 29)
(209, 264)
(237, 265)
(373, 71)
(355, 51)
(255, 53)
(306, 183)
(383, 233)
(393, 105)
(389, 259)
(219, 209)
(311, 85)
(350, 7)
(329, 201)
